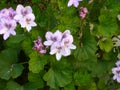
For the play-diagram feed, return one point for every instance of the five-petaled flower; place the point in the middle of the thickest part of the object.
(74, 3)
(7, 23)
(25, 17)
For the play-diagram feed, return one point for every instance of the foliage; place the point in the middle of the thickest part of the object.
(89, 65)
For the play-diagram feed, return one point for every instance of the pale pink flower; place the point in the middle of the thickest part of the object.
(7, 13)
(7, 28)
(74, 3)
(28, 22)
(83, 12)
(66, 43)
(25, 17)
(116, 72)
(39, 46)
(52, 37)
(57, 49)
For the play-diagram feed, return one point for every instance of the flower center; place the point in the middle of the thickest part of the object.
(24, 12)
(8, 25)
(54, 39)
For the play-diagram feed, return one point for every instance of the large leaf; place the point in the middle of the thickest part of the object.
(17, 70)
(37, 62)
(88, 46)
(59, 75)
(8, 66)
(108, 25)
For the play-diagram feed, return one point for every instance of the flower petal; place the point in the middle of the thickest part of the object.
(48, 43)
(6, 35)
(58, 56)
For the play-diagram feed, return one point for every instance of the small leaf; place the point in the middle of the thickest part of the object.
(5, 73)
(11, 85)
(16, 70)
(82, 78)
(37, 62)
(106, 44)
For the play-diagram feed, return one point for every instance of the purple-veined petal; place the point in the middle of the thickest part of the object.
(48, 43)
(29, 9)
(19, 8)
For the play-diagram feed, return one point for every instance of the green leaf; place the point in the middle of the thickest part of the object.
(82, 78)
(106, 44)
(11, 85)
(5, 73)
(88, 46)
(8, 68)
(59, 75)
(27, 45)
(69, 87)
(30, 86)
(92, 86)
(36, 79)
(50, 78)
(17, 70)
(108, 24)
(37, 62)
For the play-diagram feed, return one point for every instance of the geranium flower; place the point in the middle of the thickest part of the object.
(39, 46)
(116, 72)
(66, 43)
(51, 38)
(83, 12)
(28, 22)
(25, 17)
(57, 49)
(7, 28)
(7, 13)
(7, 22)
(60, 43)
(73, 2)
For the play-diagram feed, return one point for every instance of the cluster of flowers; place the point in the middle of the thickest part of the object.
(116, 72)
(9, 18)
(83, 10)
(60, 43)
